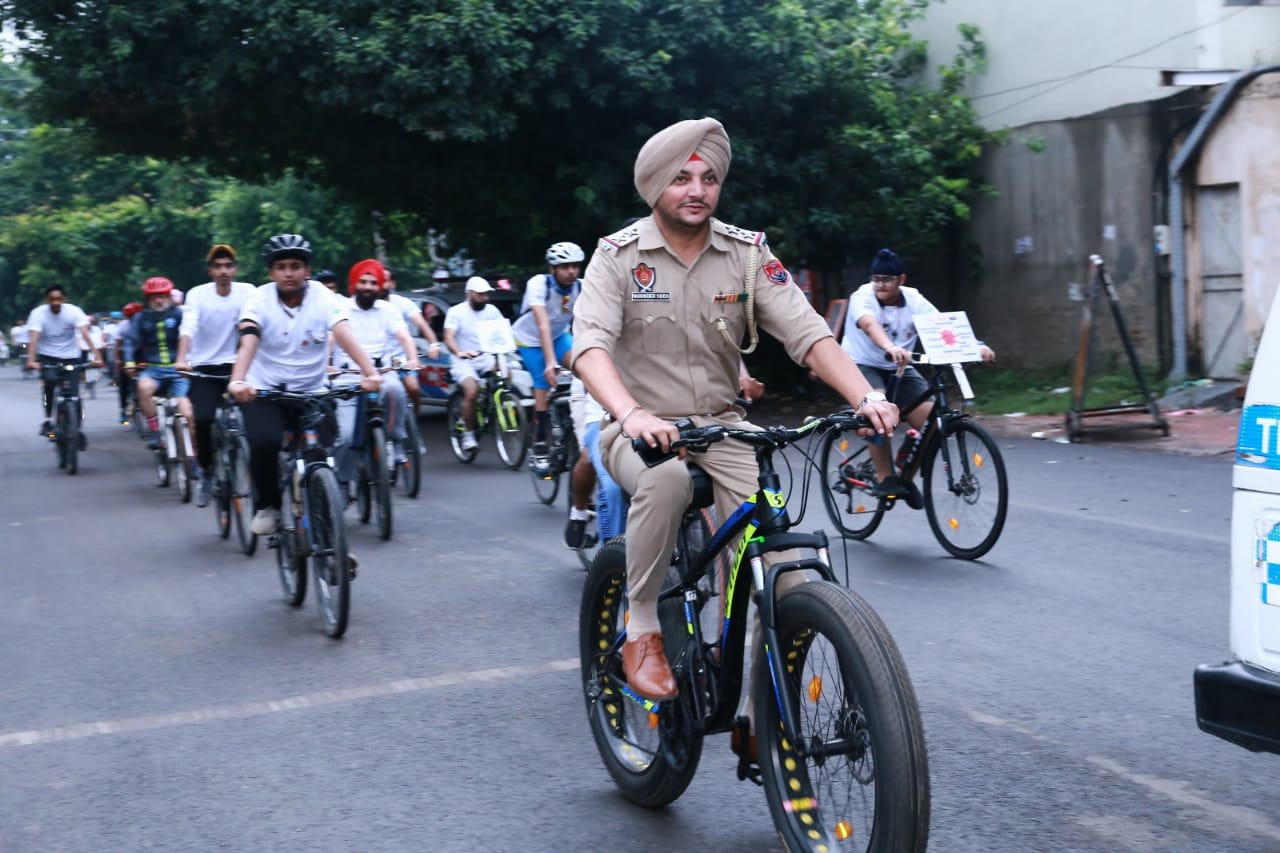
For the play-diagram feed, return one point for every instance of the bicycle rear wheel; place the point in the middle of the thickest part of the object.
(380, 479)
(546, 483)
(457, 428)
(966, 490)
(847, 479)
(510, 429)
(863, 780)
(628, 731)
(329, 556)
(240, 488)
(410, 471)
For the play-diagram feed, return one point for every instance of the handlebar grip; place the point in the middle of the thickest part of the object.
(656, 455)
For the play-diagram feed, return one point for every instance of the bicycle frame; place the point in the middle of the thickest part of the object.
(763, 523)
(941, 415)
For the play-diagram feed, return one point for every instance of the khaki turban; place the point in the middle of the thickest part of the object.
(666, 152)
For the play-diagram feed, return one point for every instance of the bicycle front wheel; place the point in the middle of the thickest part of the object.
(183, 464)
(291, 568)
(410, 473)
(380, 479)
(847, 479)
(546, 481)
(240, 487)
(69, 437)
(862, 780)
(510, 429)
(329, 557)
(966, 490)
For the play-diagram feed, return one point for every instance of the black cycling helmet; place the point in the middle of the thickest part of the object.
(326, 276)
(286, 246)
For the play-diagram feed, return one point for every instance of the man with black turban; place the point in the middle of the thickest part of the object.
(657, 328)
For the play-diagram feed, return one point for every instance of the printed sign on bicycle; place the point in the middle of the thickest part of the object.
(948, 338)
(495, 336)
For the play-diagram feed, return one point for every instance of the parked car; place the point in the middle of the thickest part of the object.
(434, 376)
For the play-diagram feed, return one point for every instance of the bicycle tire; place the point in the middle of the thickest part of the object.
(627, 736)
(183, 465)
(291, 568)
(240, 486)
(380, 480)
(410, 473)
(329, 556)
(68, 436)
(850, 506)
(546, 485)
(843, 660)
(163, 473)
(960, 512)
(510, 429)
(457, 427)
(364, 489)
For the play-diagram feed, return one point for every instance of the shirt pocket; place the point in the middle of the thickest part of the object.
(734, 317)
(653, 327)
(316, 333)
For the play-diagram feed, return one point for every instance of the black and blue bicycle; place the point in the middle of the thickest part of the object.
(840, 744)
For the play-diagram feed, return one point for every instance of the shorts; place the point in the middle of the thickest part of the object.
(901, 390)
(535, 363)
(471, 368)
(168, 382)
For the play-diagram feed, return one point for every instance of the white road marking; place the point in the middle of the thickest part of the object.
(150, 722)
(1231, 816)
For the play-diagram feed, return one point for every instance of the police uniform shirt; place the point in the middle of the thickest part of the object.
(59, 335)
(375, 328)
(658, 319)
(293, 348)
(209, 320)
(545, 291)
(896, 320)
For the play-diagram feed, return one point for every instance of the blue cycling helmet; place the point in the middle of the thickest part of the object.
(117, 315)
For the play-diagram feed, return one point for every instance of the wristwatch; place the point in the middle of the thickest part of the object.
(872, 397)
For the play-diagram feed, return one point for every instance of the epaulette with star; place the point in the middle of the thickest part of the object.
(755, 238)
(618, 239)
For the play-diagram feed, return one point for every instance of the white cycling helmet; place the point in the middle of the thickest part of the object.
(565, 253)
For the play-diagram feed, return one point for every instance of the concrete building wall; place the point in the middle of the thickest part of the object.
(1092, 189)
(1054, 59)
(1243, 151)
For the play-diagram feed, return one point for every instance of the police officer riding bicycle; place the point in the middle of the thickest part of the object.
(657, 332)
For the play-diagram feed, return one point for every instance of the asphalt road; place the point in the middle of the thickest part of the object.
(157, 693)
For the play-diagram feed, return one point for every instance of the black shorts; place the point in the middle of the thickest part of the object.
(901, 390)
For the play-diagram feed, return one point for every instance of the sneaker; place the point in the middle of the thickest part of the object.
(45, 428)
(574, 532)
(540, 464)
(540, 448)
(265, 521)
(352, 564)
(469, 441)
(153, 440)
(401, 456)
(124, 419)
(205, 492)
(889, 487)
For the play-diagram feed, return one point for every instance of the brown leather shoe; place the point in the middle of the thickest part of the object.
(645, 665)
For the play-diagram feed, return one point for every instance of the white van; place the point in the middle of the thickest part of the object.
(1240, 700)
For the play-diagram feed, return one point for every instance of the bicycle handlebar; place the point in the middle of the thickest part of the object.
(308, 396)
(699, 439)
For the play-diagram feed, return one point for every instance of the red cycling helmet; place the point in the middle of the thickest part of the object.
(131, 309)
(157, 286)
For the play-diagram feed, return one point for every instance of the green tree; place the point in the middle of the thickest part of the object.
(516, 123)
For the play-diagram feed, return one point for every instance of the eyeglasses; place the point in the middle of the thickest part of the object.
(883, 279)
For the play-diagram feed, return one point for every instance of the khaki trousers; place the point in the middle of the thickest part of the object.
(659, 497)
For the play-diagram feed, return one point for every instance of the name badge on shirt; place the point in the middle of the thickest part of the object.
(645, 278)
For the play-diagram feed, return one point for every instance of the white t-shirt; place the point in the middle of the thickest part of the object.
(19, 334)
(537, 291)
(294, 345)
(210, 320)
(375, 328)
(894, 319)
(59, 337)
(408, 310)
(465, 323)
(95, 336)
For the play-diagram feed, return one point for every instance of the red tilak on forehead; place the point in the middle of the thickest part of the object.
(695, 158)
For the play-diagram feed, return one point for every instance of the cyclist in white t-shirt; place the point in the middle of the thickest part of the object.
(413, 316)
(207, 344)
(284, 343)
(879, 335)
(382, 333)
(462, 337)
(55, 333)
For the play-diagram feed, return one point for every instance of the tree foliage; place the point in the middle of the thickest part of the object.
(511, 123)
